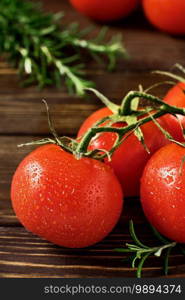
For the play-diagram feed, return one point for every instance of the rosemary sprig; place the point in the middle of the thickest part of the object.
(140, 252)
(44, 51)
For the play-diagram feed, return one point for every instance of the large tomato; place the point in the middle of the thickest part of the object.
(72, 203)
(175, 96)
(130, 158)
(167, 15)
(105, 10)
(163, 192)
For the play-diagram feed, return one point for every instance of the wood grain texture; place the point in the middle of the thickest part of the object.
(148, 50)
(24, 106)
(23, 118)
(24, 254)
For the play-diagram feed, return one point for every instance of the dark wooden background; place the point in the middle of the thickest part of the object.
(23, 118)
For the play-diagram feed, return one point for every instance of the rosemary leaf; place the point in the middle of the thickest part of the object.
(140, 252)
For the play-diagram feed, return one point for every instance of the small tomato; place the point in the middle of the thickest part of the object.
(129, 160)
(105, 10)
(166, 15)
(72, 203)
(163, 192)
(176, 97)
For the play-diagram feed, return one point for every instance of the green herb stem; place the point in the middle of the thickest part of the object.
(44, 50)
(140, 252)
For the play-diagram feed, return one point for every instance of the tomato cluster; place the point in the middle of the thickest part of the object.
(74, 200)
(166, 15)
(129, 159)
(162, 187)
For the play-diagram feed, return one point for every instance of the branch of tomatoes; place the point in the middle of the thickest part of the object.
(122, 114)
(131, 118)
(110, 133)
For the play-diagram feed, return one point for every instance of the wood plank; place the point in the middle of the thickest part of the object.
(22, 110)
(23, 118)
(149, 49)
(8, 165)
(25, 255)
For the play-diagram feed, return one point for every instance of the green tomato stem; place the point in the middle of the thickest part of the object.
(125, 109)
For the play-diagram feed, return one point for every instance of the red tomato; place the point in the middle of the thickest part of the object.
(167, 15)
(163, 192)
(175, 96)
(105, 10)
(130, 158)
(72, 203)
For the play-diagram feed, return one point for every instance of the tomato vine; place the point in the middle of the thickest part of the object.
(122, 113)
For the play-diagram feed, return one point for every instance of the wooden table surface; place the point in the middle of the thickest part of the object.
(23, 118)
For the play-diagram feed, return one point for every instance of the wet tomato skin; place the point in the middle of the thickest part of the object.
(130, 158)
(163, 192)
(176, 97)
(105, 10)
(72, 203)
